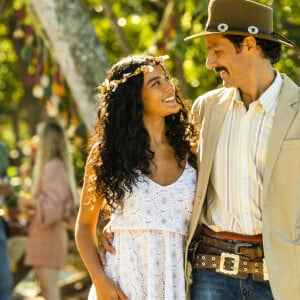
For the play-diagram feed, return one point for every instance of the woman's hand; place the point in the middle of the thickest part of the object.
(107, 289)
(26, 204)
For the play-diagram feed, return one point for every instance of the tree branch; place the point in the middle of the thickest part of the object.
(118, 32)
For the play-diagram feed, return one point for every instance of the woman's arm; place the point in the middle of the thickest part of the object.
(86, 240)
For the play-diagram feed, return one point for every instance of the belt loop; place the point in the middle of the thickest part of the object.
(192, 249)
(237, 246)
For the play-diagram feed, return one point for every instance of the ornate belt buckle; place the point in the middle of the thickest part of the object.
(235, 260)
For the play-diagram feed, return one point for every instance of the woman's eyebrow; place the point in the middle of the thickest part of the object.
(152, 79)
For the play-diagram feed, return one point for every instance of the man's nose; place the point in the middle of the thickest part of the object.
(210, 61)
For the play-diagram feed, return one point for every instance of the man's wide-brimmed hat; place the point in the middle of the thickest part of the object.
(241, 17)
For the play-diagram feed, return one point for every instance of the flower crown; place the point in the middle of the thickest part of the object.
(112, 85)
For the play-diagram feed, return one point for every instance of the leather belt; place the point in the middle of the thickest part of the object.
(235, 256)
(226, 235)
(232, 265)
(249, 250)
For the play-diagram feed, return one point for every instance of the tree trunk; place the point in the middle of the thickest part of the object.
(77, 49)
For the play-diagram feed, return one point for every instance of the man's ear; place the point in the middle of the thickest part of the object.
(249, 43)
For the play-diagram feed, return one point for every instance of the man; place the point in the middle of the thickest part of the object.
(5, 274)
(244, 237)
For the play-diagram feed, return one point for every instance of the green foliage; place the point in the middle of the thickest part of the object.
(139, 21)
(193, 16)
(11, 90)
(140, 24)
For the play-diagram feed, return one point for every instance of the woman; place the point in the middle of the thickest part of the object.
(52, 204)
(140, 169)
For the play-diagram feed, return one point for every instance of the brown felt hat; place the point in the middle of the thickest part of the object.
(241, 17)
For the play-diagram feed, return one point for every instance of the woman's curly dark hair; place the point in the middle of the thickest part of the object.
(121, 138)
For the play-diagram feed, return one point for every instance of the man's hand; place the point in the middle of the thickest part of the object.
(106, 241)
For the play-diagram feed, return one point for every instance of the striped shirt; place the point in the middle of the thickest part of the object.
(234, 196)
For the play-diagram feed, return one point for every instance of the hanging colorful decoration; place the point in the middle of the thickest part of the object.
(45, 78)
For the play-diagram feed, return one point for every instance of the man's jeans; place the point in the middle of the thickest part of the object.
(5, 274)
(210, 285)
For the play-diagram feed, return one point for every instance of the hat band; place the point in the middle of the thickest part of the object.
(223, 27)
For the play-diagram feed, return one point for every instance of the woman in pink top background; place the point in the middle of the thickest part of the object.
(52, 203)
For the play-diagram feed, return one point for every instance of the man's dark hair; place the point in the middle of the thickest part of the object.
(271, 50)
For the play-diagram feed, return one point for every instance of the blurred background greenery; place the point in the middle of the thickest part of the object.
(34, 85)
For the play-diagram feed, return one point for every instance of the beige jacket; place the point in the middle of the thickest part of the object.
(281, 188)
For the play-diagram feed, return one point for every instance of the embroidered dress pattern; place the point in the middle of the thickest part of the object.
(149, 238)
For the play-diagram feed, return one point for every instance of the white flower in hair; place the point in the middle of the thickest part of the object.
(112, 85)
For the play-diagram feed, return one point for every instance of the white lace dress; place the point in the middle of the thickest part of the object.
(150, 235)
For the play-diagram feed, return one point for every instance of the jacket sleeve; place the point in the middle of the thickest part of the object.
(54, 193)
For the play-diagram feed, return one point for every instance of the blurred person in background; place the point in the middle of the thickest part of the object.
(51, 204)
(5, 273)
